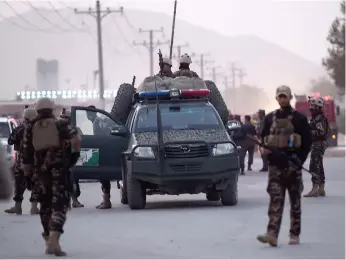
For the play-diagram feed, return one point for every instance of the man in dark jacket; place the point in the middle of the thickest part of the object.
(239, 137)
(261, 114)
(249, 147)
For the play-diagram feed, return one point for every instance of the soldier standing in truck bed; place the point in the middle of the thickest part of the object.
(288, 131)
(184, 67)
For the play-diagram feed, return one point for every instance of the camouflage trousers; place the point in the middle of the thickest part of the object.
(106, 187)
(54, 198)
(279, 181)
(21, 183)
(316, 162)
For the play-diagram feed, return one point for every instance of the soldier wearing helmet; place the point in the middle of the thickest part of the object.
(75, 188)
(167, 68)
(289, 132)
(43, 152)
(21, 182)
(319, 130)
(184, 67)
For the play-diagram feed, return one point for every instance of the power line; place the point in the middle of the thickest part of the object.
(43, 17)
(65, 20)
(25, 20)
(215, 73)
(99, 14)
(16, 24)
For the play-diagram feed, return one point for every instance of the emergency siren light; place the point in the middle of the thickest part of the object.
(175, 93)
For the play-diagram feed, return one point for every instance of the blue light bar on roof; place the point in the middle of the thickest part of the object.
(159, 93)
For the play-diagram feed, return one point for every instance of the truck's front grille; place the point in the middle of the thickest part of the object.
(186, 151)
(187, 167)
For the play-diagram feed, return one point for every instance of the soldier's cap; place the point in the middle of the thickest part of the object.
(283, 90)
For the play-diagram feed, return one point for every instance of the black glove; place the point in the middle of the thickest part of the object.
(279, 159)
(74, 158)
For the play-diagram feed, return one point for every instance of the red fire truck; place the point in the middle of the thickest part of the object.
(331, 110)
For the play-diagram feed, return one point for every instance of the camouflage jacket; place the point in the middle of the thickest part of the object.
(319, 128)
(54, 156)
(186, 73)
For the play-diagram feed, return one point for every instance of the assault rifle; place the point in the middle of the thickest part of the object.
(277, 152)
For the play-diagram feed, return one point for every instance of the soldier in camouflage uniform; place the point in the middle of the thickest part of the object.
(184, 67)
(75, 188)
(288, 131)
(43, 152)
(167, 68)
(319, 130)
(261, 114)
(21, 183)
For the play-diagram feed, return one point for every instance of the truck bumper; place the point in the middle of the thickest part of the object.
(210, 169)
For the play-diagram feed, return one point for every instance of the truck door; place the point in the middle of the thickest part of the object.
(100, 151)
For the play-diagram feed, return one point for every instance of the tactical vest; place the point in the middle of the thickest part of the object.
(45, 134)
(281, 133)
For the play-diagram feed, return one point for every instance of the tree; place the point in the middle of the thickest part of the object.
(335, 62)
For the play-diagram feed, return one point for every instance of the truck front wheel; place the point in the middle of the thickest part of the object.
(135, 193)
(229, 196)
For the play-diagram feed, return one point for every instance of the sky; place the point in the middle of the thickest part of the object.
(299, 26)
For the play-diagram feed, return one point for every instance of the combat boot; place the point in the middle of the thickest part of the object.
(294, 240)
(106, 203)
(46, 239)
(268, 239)
(76, 203)
(249, 168)
(53, 244)
(16, 209)
(314, 191)
(34, 209)
(321, 191)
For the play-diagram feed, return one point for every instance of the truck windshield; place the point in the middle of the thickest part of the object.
(178, 117)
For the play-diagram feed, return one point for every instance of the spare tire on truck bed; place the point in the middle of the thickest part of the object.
(122, 102)
(217, 101)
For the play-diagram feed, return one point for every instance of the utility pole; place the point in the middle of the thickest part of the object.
(241, 75)
(214, 73)
(99, 14)
(226, 82)
(202, 61)
(233, 73)
(151, 46)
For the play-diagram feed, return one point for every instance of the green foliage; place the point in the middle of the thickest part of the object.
(335, 62)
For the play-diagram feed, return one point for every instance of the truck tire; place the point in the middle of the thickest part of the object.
(213, 196)
(229, 196)
(136, 195)
(217, 101)
(122, 102)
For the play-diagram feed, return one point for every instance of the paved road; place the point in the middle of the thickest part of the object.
(188, 226)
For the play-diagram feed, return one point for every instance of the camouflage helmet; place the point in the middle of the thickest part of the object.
(185, 58)
(29, 113)
(167, 61)
(44, 103)
(316, 102)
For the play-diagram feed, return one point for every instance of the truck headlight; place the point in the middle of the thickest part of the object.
(222, 149)
(144, 152)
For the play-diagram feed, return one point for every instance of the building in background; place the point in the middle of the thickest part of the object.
(47, 74)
